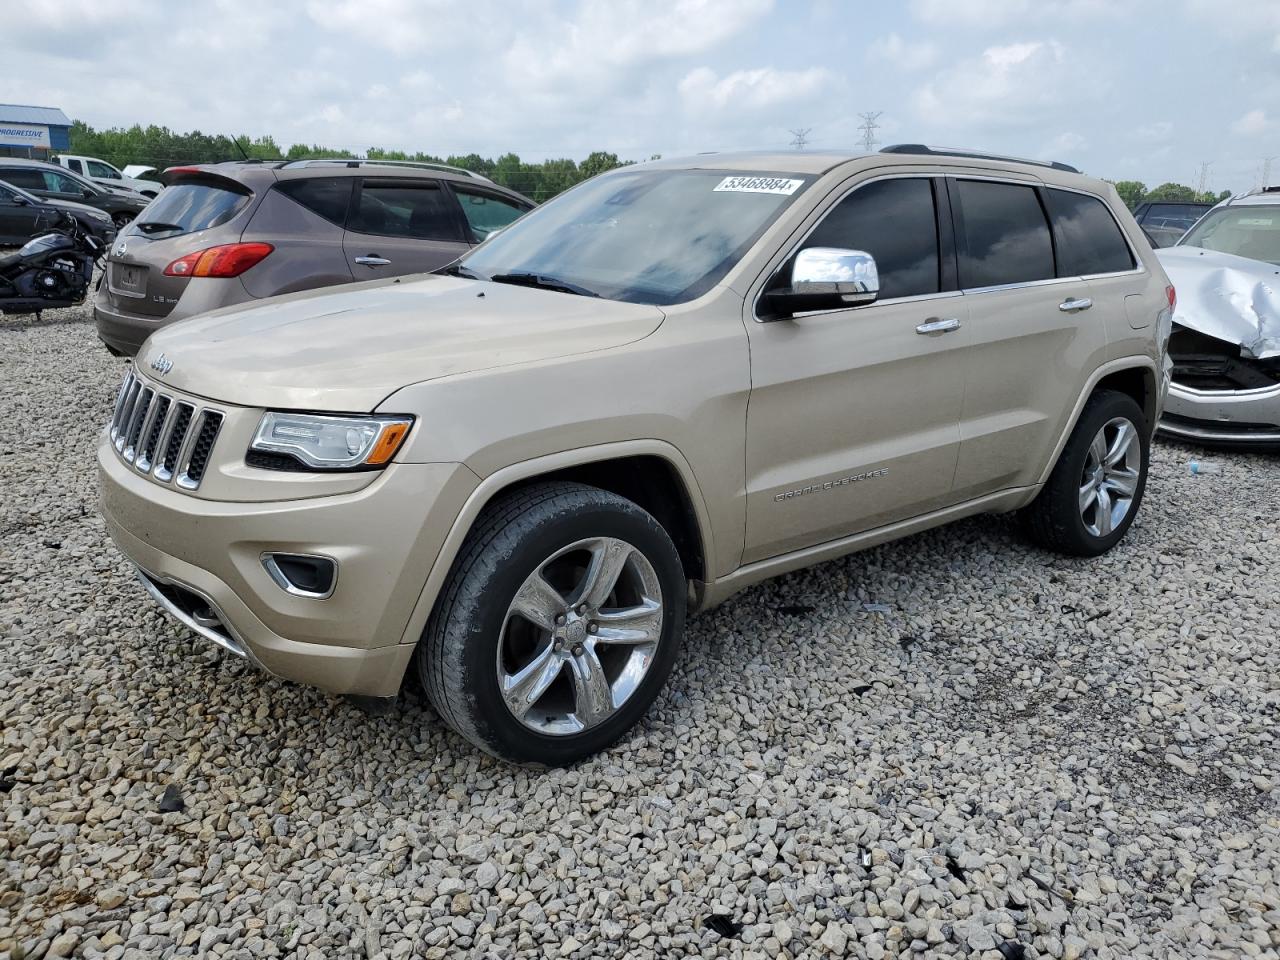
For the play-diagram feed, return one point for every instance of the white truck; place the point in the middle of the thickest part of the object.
(104, 173)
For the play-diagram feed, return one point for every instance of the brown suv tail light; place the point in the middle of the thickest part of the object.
(225, 260)
(1171, 295)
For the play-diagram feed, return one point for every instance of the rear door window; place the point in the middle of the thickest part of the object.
(27, 179)
(328, 197)
(1002, 236)
(486, 212)
(894, 221)
(187, 207)
(1089, 239)
(412, 209)
(74, 164)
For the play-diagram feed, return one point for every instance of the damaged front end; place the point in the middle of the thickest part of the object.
(1225, 347)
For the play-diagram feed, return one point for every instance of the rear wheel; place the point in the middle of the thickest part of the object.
(1097, 484)
(558, 625)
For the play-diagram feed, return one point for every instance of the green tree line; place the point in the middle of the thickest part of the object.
(161, 147)
(1134, 192)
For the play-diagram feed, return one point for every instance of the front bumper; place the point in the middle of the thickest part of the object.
(384, 537)
(1229, 416)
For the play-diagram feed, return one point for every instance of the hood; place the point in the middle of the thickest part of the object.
(136, 170)
(347, 350)
(83, 209)
(1228, 297)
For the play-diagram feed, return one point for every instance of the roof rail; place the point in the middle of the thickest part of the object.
(361, 161)
(920, 148)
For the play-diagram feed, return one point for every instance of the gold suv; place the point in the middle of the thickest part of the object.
(517, 477)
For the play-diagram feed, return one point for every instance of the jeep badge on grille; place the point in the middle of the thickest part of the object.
(161, 364)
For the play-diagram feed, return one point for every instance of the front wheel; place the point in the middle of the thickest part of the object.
(558, 625)
(1096, 487)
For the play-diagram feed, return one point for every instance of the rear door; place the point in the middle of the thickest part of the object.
(1029, 343)
(400, 226)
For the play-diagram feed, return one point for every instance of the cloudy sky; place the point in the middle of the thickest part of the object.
(1126, 89)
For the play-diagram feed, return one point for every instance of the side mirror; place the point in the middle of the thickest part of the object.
(827, 278)
(87, 192)
(20, 201)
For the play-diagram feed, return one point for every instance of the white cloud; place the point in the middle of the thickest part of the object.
(989, 13)
(1004, 86)
(400, 26)
(763, 87)
(1251, 124)
(1063, 145)
(1155, 131)
(906, 56)
(603, 41)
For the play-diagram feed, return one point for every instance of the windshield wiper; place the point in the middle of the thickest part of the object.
(458, 270)
(151, 226)
(542, 282)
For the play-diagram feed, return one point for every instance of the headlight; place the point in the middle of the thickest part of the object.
(332, 442)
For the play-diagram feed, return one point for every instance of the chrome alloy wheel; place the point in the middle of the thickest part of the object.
(580, 636)
(1112, 468)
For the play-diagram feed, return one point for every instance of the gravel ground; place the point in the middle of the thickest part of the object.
(1020, 756)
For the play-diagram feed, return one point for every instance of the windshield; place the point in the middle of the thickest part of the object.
(643, 236)
(1246, 231)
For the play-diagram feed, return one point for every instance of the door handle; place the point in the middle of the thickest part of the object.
(938, 325)
(1075, 304)
(373, 260)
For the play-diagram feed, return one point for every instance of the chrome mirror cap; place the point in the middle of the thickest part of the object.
(850, 274)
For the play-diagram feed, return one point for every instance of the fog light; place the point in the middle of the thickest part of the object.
(302, 575)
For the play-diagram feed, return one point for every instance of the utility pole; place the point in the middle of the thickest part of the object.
(801, 137)
(868, 129)
(1204, 176)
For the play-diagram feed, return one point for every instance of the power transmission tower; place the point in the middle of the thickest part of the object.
(1204, 176)
(801, 137)
(868, 129)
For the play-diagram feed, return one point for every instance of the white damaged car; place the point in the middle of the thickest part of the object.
(1225, 344)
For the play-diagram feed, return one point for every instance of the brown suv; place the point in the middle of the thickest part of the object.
(227, 233)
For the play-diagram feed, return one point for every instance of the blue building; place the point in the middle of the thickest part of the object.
(36, 132)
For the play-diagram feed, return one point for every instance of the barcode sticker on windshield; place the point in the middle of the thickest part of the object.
(1255, 221)
(758, 185)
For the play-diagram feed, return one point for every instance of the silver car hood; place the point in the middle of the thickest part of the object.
(1228, 297)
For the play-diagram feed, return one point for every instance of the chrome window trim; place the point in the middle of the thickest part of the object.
(920, 297)
(269, 563)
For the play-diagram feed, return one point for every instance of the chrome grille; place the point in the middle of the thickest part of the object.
(167, 438)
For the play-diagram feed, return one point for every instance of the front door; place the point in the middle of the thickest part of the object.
(853, 419)
(19, 221)
(402, 226)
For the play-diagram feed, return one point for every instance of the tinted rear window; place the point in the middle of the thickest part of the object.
(894, 221)
(26, 179)
(328, 197)
(1089, 238)
(398, 209)
(188, 207)
(1005, 238)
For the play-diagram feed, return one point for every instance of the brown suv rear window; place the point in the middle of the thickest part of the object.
(187, 207)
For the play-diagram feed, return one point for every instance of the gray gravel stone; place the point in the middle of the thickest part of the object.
(1077, 756)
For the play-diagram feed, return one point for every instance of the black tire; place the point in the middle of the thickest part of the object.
(122, 219)
(1054, 519)
(512, 537)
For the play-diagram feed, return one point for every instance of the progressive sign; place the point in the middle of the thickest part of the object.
(24, 135)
